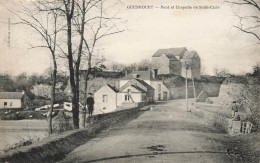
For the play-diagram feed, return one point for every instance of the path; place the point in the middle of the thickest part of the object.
(167, 133)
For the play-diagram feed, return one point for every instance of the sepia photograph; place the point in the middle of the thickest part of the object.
(139, 81)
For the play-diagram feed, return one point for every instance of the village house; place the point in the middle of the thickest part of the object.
(173, 60)
(135, 91)
(161, 92)
(132, 93)
(105, 99)
(11, 100)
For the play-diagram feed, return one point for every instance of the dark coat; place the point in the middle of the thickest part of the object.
(90, 101)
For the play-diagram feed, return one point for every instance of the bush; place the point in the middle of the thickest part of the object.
(61, 123)
(12, 116)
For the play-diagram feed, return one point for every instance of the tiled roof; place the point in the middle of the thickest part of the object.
(139, 89)
(190, 55)
(170, 53)
(129, 83)
(143, 75)
(145, 84)
(11, 95)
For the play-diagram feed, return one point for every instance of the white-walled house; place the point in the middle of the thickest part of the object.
(131, 94)
(11, 100)
(105, 100)
(161, 92)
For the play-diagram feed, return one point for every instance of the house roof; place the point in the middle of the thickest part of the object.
(190, 54)
(129, 83)
(136, 87)
(139, 89)
(143, 75)
(171, 53)
(145, 84)
(11, 95)
(113, 88)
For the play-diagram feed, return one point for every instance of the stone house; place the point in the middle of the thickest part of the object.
(11, 100)
(172, 61)
(161, 92)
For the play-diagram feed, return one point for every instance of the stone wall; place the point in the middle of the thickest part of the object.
(56, 147)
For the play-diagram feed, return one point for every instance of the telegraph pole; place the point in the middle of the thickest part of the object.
(187, 107)
(194, 90)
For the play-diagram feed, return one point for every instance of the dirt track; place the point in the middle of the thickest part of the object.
(166, 133)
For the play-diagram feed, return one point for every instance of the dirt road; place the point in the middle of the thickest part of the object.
(166, 133)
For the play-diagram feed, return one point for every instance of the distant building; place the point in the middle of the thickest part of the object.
(161, 92)
(11, 100)
(172, 61)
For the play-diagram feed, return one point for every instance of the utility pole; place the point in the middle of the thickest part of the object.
(187, 107)
(194, 90)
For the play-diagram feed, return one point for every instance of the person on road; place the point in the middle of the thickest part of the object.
(234, 109)
(90, 104)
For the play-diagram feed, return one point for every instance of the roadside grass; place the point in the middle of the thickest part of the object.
(245, 146)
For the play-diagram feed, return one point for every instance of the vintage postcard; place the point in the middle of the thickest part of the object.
(129, 81)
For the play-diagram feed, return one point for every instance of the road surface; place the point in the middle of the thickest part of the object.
(166, 133)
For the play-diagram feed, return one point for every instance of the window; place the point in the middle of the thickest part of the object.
(143, 97)
(11, 104)
(159, 96)
(127, 97)
(159, 87)
(5, 103)
(129, 90)
(105, 99)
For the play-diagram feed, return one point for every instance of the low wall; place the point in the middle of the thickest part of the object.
(56, 147)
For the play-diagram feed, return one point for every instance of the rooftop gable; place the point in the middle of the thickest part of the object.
(109, 86)
(136, 88)
(141, 82)
(190, 55)
(171, 53)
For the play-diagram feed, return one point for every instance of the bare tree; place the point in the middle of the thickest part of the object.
(249, 24)
(42, 17)
(98, 26)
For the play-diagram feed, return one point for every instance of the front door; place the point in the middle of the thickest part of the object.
(164, 96)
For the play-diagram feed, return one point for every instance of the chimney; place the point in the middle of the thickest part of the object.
(136, 76)
(155, 73)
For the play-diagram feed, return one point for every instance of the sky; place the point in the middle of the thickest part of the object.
(210, 32)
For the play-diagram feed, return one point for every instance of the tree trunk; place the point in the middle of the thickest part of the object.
(75, 105)
(84, 110)
(54, 74)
